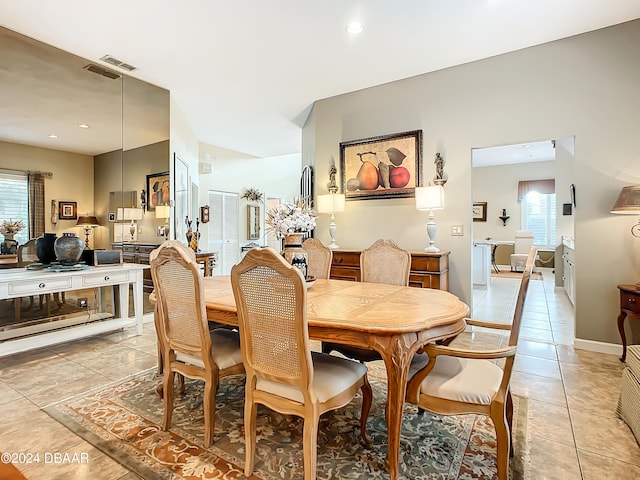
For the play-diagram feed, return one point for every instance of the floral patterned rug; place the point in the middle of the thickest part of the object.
(123, 420)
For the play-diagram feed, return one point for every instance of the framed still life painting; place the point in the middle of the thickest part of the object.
(158, 192)
(382, 167)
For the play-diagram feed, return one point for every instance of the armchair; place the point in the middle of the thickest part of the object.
(458, 381)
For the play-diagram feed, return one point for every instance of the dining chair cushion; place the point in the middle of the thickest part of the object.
(331, 376)
(463, 380)
(225, 345)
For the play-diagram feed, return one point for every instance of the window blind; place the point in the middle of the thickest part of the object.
(14, 202)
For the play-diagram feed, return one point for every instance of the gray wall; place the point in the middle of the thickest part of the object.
(585, 86)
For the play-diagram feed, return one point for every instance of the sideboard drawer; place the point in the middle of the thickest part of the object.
(422, 262)
(105, 278)
(630, 301)
(36, 287)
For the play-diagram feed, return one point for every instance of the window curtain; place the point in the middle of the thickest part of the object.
(36, 204)
(540, 186)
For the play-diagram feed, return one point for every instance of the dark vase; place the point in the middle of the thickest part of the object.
(68, 248)
(44, 248)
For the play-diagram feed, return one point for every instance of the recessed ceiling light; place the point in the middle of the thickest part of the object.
(528, 156)
(83, 125)
(355, 28)
(53, 135)
(526, 146)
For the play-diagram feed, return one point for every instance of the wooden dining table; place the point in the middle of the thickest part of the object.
(396, 321)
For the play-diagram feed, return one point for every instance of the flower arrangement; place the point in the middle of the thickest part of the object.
(287, 218)
(11, 227)
(252, 194)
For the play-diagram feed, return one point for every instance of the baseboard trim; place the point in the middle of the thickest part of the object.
(147, 318)
(600, 347)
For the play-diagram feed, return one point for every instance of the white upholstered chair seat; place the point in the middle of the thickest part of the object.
(463, 380)
(226, 350)
(331, 376)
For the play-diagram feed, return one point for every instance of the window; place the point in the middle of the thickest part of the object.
(539, 217)
(14, 202)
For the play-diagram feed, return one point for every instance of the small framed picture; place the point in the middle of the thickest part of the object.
(480, 212)
(112, 217)
(68, 210)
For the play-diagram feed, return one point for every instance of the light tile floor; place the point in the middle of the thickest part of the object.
(572, 394)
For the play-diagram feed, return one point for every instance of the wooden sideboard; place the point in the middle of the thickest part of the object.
(134, 252)
(428, 270)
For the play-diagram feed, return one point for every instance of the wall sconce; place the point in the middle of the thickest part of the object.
(132, 214)
(54, 212)
(164, 212)
(87, 222)
(504, 217)
(332, 203)
(628, 203)
(429, 199)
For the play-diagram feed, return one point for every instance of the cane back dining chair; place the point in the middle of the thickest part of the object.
(383, 262)
(282, 373)
(188, 347)
(319, 258)
(458, 381)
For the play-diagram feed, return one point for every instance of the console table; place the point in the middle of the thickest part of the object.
(20, 282)
(428, 270)
(629, 306)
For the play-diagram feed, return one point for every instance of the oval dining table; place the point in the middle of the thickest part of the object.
(395, 321)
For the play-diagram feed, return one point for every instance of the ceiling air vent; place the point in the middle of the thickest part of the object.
(118, 63)
(102, 71)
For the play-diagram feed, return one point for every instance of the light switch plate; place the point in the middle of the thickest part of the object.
(456, 230)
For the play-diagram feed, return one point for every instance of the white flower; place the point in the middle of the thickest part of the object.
(11, 226)
(291, 218)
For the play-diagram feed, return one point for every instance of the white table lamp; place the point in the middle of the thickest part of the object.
(164, 212)
(132, 214)
(430, 198)
(331, 203)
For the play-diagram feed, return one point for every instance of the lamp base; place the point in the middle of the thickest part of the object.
(432, 249)
(332, 233)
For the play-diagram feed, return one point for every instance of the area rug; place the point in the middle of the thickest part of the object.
(123, 420)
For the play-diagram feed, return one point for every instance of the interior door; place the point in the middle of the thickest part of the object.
(224, 230)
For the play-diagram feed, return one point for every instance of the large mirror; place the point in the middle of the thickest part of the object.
(93, 131)
(253, 222)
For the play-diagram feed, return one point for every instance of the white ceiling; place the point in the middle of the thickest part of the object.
(511, 154)
(246, 73)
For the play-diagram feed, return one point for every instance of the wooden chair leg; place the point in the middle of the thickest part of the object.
(510, 421)
(503, 442)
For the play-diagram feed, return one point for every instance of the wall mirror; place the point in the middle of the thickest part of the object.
(95, 129)
(253, 222)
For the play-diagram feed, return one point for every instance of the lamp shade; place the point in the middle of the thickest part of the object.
(88, 221)
(628, 201)
(163, 211)
(129, 213)
(430, 198)
(331, 203)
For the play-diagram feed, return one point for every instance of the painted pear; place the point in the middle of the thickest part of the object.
(367, 176)
(383, 168)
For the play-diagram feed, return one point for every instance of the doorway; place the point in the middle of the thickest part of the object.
(495, 174)
(223, 230)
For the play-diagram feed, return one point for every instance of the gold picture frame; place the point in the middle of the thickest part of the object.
(382, 167)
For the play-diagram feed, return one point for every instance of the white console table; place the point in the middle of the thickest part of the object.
(23, 283)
